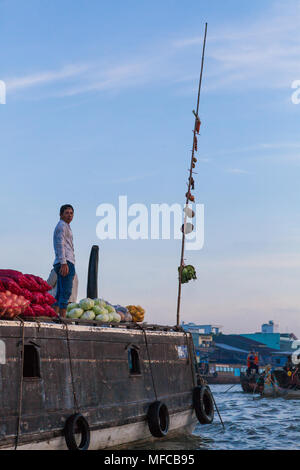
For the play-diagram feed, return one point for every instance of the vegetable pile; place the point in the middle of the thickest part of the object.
(12, 305)
(24, 294)
(102, 311)
(137, 313)
(93, 309)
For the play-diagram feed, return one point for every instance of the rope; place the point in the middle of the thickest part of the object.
(217, 409)
(219, 414)
(21, 385)
(190, 358)
(149, 360)
(230, 388)
(76, 407)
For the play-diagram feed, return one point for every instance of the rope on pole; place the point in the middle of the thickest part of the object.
(190, 178)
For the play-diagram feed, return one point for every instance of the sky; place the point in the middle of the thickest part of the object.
(99, 100)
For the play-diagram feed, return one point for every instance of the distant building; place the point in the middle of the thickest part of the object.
(269, 327)
(234, 349)
(270, 336)
(213, 347)
(202, 329)
(202, 337)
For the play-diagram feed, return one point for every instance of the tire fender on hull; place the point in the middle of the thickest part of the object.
(77, 424)
(158, 419)
(203, 404)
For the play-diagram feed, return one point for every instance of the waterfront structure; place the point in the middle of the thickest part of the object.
(271, 337)
(224, 357)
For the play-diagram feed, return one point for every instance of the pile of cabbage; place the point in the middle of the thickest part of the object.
(93, 309)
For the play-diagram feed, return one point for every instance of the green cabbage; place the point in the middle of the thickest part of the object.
(116, 317)
(110, 309)
(102, 317)
(75, 313)
(71, 306)
(97, 310)
(86, 304)
(100, 302)
(88, 315)
(100, 310)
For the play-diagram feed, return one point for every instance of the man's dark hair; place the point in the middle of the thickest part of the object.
(64, 207)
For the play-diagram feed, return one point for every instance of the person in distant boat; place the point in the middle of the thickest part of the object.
(250, 362)
(256, 361)
(64, 263)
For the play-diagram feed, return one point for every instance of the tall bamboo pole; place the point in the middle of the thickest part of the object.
(190, 179)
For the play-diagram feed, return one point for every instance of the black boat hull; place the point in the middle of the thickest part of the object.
(84, 366)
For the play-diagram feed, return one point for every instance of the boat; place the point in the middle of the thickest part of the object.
(112, 376)
(251, 383)
(79, 384)
(271, 383)
(276, 391)
(280, 383)
(217, 373)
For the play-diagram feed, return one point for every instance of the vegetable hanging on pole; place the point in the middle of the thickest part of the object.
(187, 272)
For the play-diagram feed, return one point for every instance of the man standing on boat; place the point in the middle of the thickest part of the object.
(64, 264)
(250, 362)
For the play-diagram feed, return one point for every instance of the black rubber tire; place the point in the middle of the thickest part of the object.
(158, 419)
(203, 404)
(73, 423)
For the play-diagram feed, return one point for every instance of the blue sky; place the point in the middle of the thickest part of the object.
(99, 101)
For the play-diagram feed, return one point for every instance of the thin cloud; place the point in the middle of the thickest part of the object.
(42, 78)
(263, 54)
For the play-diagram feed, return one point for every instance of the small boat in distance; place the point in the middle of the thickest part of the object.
(219, 373)
(273, 383)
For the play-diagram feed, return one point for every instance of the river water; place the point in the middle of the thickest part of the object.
(251, 423)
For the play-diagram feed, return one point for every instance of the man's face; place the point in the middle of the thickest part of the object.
(67, 215)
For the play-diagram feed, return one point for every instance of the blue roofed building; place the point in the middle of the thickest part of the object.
(212, 346)
(270, 336)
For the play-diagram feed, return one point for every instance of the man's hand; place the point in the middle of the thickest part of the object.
(64, 270)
